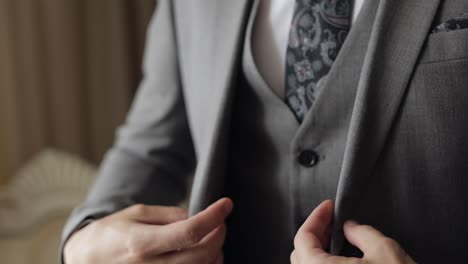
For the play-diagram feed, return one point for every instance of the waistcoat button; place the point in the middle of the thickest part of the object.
(307, 158)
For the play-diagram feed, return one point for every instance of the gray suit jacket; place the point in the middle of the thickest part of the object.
(405, 164)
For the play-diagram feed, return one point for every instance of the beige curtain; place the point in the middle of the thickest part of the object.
(68, 70)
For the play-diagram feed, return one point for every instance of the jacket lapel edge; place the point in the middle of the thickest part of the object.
(384, 80)
(206, 184)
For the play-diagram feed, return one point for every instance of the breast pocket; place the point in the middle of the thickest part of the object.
(445, 46)
(430, 139)
(440, 81)
(434, 114)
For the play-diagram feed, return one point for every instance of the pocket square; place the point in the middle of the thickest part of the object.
(455, 23)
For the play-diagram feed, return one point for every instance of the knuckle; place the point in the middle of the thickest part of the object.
(136, 254)
(297, 240)
(192, 235)
(318, 257)
(137, 249)
(178, 213)
(138, 209)
(390, 244)
(292, 257)
(93, 227)
(319, 260)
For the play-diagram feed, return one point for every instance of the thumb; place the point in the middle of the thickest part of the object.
(364, 237)
(373, 243)
(315, 232)
(189, 232)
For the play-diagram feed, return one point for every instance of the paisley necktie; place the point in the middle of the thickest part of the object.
(318, 30)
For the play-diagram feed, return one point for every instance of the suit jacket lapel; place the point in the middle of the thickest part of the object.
(398, 35)
(226, 44)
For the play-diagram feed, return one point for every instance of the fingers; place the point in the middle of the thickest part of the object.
(191, 231)
(156, 215)
(209, 250)
(185, 234)
(374, 244)
(365, 237)
(293, 258)
(314, 235)
(315, 232)
(320, 257)
(215, 239)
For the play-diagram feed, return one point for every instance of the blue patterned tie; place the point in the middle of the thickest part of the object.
(318, 30)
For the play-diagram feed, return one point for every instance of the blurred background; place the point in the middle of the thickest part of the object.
(68, 72)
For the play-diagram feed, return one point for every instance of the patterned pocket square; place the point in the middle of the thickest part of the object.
(456, 23)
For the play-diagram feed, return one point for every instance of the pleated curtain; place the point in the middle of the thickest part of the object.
(68, 72)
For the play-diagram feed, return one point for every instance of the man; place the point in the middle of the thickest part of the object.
(280, 105)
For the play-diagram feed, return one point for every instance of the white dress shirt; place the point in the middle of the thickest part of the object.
(270, 39)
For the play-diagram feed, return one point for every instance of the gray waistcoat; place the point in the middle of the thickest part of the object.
(272, 192)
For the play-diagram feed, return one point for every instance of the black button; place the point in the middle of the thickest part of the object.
(307, 158)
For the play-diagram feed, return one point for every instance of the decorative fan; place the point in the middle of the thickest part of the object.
(51, 184)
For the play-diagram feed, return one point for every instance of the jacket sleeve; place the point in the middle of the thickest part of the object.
(153, 152)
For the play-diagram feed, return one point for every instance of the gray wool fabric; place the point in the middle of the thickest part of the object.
(271, 193)
(258, 168)
(389, 128)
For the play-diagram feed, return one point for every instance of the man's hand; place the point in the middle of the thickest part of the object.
(152, 234)
(314, 236)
